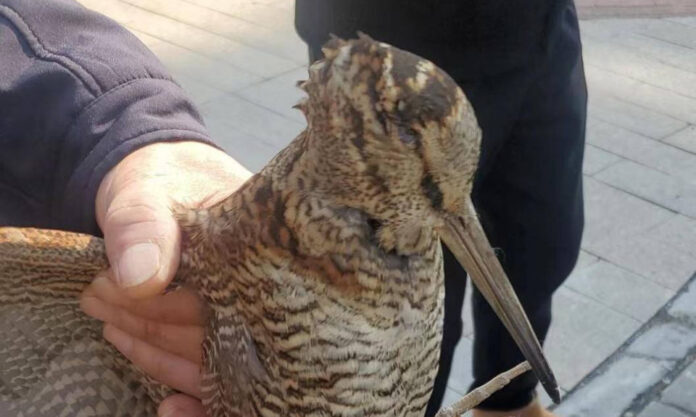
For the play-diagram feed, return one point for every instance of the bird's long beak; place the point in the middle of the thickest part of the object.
(464, 236)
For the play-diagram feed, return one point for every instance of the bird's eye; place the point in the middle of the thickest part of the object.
(408, 135)
(374, 225)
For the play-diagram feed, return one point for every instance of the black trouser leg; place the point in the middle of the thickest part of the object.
(529, 196)
(533, 196)
(452, 327)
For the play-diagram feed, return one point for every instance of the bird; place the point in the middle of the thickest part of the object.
(322, 275)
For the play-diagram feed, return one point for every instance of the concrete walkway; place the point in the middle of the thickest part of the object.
(634, 8)
(652, 375)
(240, 59)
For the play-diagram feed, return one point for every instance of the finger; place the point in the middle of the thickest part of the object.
(142, 240)
(179, 373)
(181, 307)
(181, 405)
(184, 341)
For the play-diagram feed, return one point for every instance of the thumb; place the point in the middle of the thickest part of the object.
(181, 405)
(142, 241)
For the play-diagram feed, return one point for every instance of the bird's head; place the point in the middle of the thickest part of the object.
(396, 136)
(393, 136)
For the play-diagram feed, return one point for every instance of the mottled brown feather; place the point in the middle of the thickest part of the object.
(323, 273)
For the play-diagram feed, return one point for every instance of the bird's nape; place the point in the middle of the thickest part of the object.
(465, 237)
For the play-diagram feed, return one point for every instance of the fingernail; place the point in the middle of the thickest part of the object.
(138, 263)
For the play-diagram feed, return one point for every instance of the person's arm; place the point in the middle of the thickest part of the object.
(95, 136)
(78, 93)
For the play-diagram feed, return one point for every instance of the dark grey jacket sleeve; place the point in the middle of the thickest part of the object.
(77, 93)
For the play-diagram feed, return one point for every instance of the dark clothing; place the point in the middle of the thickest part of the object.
(77, 93)
(490, 36)
(528, 189)
(472, 22)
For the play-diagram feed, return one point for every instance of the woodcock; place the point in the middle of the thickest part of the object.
(322, 275)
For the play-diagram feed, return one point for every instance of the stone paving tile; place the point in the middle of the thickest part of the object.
(195, 39)
(617, 229)
(148, 40)
(203, 69)
(450, 397)
(591, 119)
(583, 333)
(272, 15)
(262, 63)
(679, 232)
(682, 392)
(592, 9)
(684, 20)
(247, 149)
(652, 10)
(612, 392)
(254, 120)
(597, 159)
(636, 66)
(113, 9)
(198, 92)
(635, 118)
(279, 94)
(619, 289)
(657, 99)
(684, 139)
(655, 186)
(644, 369)
(684, 308)
(285, 44)
(678, 56)
(649, 258)
(682, 34)
(672, 30)
(646, 151)
(461, 375)
(656, 409)
(467, 311)
(585, 260)
(666, 341)
(613, 214)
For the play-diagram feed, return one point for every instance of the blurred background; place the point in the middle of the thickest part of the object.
(623, 337)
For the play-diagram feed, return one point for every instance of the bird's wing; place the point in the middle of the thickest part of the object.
(53, 359)
(229, 379)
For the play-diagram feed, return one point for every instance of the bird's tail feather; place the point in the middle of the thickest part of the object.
(53, 359)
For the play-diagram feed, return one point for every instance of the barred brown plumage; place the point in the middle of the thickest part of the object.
(322, 274)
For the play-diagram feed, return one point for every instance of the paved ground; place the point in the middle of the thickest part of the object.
(634, 8)
(240, 59)
(652, 375)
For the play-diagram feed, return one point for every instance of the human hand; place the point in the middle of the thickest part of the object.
(134, 208)
(162, 334)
